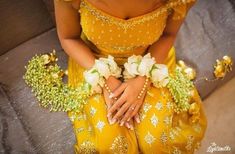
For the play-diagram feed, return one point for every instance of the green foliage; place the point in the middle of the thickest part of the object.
(180, 87)
(45, 79)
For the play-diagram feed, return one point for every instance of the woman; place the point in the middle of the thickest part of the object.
(120, 120)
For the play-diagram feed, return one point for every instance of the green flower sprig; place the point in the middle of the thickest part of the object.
(180, 87)
(44, 76)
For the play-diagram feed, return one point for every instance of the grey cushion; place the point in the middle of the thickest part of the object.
(28, 128)
(207, 34)
(10, 124)
(21, 21)
(50, 7)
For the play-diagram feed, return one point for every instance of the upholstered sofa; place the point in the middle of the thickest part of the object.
(27, 27)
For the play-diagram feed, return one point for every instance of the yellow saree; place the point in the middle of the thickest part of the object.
(160, 130)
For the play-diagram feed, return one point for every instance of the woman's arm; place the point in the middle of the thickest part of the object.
(69, 30)
(160, 48)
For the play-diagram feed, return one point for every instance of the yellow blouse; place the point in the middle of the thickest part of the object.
(106, 34)
(120, 37)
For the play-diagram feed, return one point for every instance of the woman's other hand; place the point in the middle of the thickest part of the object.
(113, 83)
(127, 105)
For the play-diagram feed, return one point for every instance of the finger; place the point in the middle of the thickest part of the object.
(135, 112)
(117, 104)
(137, 118)
(129, 125)
(112, 102)
(109, 103)
(128, 114)
(117, 92)
(108, 107)
(121, 111)
(119, 120)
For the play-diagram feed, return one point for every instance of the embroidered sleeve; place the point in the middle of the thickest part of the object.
(179, 8)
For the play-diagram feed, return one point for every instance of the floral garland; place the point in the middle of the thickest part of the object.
(45, 78)
(146, 66)
(178, 83)
(102, 69)
(180, 87)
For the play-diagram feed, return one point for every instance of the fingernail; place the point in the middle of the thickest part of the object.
(111, 95)
(132, 128)
(138, 120)
(128, 119)
(113, 121)
(122, 123)
(128, 125)
(109, 120)
(108, 115)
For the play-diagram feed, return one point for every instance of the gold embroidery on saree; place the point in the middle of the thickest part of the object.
(119, 145)
(87, 147)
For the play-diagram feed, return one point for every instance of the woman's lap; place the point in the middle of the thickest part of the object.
(160, 130)
(156, 132)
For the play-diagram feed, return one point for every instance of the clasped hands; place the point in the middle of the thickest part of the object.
(123, 103)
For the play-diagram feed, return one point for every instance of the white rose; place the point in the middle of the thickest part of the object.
(92, 77)
(164, 82)
(146, 65)
(111, 67)
(134, 59)
(159, 75)
(111, 62)
(115, 70)
(131, 68)
(101, 81)
(127, 75)
(117, 73)
(102, 68)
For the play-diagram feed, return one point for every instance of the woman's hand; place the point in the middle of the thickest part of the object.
(113, 83)
(127, 105)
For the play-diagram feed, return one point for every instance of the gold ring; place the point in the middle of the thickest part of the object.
(132, 108)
